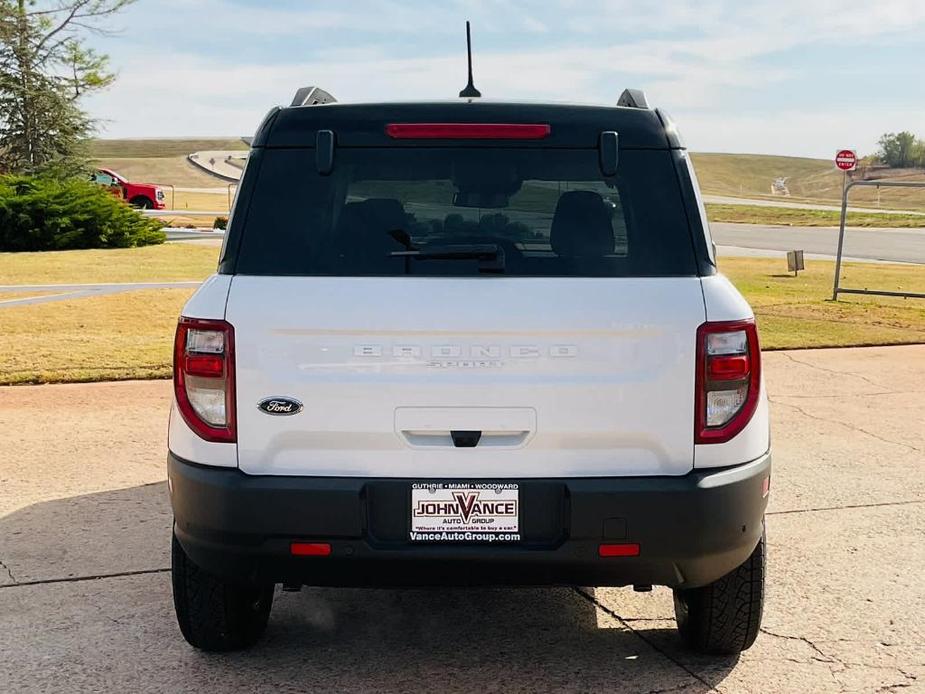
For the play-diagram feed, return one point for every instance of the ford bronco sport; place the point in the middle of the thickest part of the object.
(468, 343)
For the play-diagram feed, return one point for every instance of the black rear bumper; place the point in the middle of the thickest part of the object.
(691, 529)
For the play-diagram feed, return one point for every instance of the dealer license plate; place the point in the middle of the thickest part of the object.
(465, 512)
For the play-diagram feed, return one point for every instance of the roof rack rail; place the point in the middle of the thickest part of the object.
(311, 96)
(633, 98)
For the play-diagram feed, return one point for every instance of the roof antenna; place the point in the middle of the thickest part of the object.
(470, 91)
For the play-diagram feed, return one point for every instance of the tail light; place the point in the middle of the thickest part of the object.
(728, 379)
(203, 377)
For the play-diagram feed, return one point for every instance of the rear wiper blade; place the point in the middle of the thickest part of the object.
(489, 255)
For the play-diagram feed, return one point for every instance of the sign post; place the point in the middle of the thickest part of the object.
(846, 160)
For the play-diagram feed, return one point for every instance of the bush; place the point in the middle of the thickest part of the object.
(220, 223)
(46, 214)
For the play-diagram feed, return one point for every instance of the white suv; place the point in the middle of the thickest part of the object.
(468, 343)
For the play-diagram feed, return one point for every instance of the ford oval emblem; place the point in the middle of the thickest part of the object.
(280, 406)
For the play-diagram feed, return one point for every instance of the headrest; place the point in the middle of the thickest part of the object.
(581, 226)
(384, 213)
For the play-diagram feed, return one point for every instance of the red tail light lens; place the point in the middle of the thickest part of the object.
(203, 377)
(467, 131)
(728, 379)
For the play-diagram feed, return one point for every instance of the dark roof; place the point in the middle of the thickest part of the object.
(363, 125)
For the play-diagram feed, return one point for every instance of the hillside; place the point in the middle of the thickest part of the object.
(729, 175)
(175, 171)
(132, 148)
(808, 180)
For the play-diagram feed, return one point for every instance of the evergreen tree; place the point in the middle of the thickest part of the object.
(45, 69)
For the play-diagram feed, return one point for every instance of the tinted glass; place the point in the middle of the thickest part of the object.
(463, 212)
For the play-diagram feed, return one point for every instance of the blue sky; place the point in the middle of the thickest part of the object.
(798, 77)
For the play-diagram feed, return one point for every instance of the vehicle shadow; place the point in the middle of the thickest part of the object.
(320, 639)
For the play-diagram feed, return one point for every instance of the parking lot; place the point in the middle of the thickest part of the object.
(85, 601)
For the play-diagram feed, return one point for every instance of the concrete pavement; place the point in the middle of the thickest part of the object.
(85, 599)
(216, 163)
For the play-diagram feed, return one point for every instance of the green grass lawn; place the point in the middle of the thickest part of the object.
(796, 312)
(129, 335)
(787, 216)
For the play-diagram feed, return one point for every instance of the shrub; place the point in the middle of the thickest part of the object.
(220, 223)
(46, 214)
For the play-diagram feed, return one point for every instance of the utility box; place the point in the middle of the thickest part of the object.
(795, 262)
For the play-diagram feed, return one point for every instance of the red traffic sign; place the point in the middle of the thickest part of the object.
(846, 159)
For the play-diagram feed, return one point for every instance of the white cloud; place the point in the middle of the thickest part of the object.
(702, 60)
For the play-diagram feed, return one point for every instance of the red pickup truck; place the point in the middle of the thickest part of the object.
(145, 196)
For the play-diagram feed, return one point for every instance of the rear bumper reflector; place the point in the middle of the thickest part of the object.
(310, 549)
(623, 549)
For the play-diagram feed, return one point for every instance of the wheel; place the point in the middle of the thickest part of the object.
(214, 615)
(723, 618)
(141, 202)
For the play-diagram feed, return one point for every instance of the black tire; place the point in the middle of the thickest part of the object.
(723, 618)
(141, 202)
(214, 615)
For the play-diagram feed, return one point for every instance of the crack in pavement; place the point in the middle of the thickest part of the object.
(832, 371)
(599, 605)
(842, 396)
(837, 666)
(846, 507)
(826, 657)
(846, 426)
(9, 573)
(78, 579)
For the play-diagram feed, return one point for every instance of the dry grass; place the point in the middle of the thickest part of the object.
(164, 263)
(166, 171)
(6, 297)
(208, 202)
(112, 337)
(757, 214)
(128, 335)
(158, 147)
(808, 180)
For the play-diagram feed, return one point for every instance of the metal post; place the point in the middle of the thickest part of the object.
(841, 235)
(836, 288)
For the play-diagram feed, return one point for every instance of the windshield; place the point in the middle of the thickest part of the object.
(465, 211)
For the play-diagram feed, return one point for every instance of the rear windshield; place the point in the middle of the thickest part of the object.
(464, 212)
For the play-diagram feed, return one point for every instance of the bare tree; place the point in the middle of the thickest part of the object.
(45, 69)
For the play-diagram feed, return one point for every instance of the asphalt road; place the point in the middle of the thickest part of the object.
(896, 245)
(85, 601)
